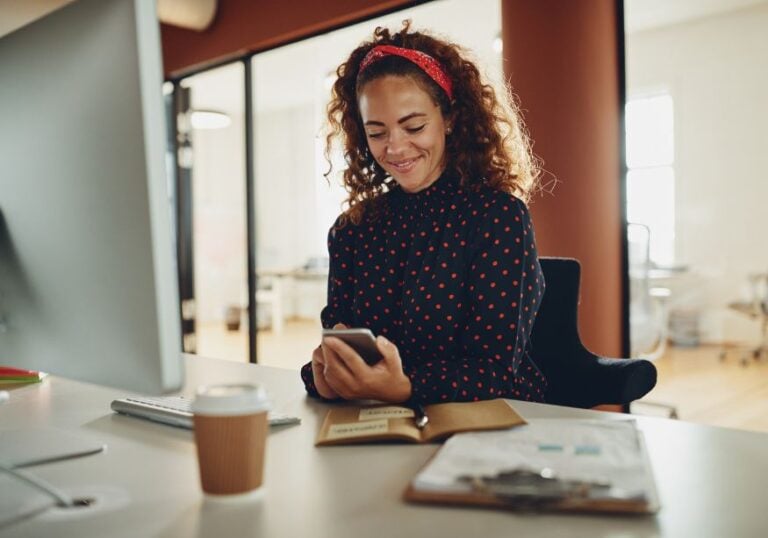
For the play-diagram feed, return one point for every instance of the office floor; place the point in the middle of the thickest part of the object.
(708, 391)
(291, 348)
(693, 380)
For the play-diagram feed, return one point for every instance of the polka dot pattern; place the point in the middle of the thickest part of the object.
(451, 276)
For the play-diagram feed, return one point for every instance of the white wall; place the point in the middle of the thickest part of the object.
(292, 215)
(286, 201)
(716, 70)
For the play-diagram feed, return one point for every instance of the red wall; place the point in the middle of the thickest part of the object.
(250, 25)
(562, 60)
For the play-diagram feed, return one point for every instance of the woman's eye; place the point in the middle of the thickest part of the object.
(416, 129)
(375, 135)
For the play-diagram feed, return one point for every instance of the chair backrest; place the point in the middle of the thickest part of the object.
(575, 376)
(555, 335)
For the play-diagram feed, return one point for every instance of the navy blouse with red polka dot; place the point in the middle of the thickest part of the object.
(451, 277)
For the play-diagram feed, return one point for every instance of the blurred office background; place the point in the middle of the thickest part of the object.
(294, 205)
(666, 216)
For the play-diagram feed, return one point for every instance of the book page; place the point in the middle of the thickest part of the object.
(448, 418)
(385, 411)
(353, 424)
(357, 429)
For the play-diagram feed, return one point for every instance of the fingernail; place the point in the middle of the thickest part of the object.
(383, 340)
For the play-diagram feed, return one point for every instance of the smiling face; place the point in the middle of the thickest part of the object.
(405, 130)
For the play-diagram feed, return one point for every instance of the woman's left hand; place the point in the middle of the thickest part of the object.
(352, 379)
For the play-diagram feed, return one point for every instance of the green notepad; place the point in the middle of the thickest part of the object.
(18, 375)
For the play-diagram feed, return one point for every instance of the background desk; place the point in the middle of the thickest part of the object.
(712, 481)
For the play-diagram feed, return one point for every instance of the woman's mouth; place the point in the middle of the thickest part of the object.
(404, 166)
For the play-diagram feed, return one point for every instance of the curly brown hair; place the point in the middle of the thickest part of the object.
(488, 144)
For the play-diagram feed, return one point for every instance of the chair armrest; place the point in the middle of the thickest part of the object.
(588, 380)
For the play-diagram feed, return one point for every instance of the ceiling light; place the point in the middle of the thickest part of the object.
(209, 119)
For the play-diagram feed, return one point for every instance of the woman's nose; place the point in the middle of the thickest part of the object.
(395, 144)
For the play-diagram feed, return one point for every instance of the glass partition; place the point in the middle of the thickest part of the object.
(216, 158)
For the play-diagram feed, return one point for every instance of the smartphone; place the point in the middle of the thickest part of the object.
(361, 340)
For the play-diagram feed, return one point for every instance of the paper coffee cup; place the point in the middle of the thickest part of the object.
(231, 430)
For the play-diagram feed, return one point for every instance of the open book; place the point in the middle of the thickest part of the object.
(345, 425)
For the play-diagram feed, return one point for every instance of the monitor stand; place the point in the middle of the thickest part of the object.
(34, 446)
(23, 495)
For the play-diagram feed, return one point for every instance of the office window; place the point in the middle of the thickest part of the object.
(651, 175)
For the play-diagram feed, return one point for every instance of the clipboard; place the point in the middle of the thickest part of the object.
(531, 488)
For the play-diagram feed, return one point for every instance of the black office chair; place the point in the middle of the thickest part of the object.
(577, 377)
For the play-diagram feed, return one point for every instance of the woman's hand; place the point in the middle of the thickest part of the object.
(318, 370)
(318, 373)
(349, 376)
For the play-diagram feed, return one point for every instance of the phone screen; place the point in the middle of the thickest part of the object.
(361, 340)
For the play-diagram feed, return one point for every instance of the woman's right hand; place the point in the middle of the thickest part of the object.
(318, 371)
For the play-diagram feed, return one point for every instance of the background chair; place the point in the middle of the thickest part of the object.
(648, 308)
(577, 377)
(756, 308)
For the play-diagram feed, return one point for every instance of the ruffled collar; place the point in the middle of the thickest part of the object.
(446, 186)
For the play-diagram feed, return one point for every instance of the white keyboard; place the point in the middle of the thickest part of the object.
(176, 411)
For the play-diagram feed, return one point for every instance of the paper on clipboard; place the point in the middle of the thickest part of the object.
(607, 451)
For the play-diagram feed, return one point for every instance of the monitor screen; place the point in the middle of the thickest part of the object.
(88, 285)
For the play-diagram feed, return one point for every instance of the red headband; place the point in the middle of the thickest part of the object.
(426, 62)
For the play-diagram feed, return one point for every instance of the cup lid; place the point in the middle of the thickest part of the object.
(230, 399)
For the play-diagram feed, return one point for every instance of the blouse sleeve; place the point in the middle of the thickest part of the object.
(338, 307)
(504, 288)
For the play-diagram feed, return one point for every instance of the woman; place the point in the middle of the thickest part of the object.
(435, 252)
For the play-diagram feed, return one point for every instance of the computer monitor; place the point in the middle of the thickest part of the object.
(88, 284)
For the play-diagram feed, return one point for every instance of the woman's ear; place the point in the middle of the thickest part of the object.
(449, 124)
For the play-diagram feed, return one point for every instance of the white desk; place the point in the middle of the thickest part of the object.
(280, 281)
(711, 481)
